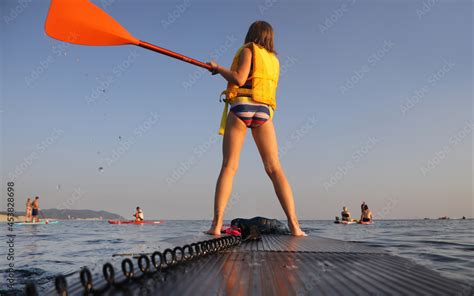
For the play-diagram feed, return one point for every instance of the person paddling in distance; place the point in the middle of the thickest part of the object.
(35, 210)
(366, 214)
(251, 94)
(138, 215)
(345, 214)
(28, 210)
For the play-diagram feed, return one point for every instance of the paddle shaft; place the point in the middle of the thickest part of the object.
(42, 215)
(174, 55)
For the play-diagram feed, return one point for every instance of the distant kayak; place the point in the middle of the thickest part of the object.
(135, 222)
(37, 223)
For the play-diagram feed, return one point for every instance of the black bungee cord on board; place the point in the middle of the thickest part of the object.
(148, 266)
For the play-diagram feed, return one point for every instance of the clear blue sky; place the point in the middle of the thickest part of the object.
(374, 104)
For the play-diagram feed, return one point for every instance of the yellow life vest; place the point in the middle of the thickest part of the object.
(263, 80)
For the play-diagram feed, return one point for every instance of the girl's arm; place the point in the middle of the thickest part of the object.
(240, 76)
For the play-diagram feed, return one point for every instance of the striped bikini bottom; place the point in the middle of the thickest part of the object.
(252, 114)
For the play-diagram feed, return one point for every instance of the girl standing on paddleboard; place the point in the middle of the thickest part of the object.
(251, 94)
(29, 208)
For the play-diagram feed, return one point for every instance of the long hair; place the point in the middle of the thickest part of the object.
(261, 33)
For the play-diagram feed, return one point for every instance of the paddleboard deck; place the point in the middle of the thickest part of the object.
(345, 222)
(286, 265)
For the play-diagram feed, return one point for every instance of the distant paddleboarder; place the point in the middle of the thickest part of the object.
(35, 210)
(345, 214)
(366, 214)
(28, 210)
(362, 206)
(138, 215)
(251, 93)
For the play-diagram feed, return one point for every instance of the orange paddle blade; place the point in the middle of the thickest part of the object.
(82, 22)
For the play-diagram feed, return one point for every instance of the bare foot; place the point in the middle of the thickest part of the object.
(212, 231)
(215, 229)
(298, 233)
(296, 230)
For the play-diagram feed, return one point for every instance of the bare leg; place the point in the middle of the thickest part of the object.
(234, 136)
(266, 141)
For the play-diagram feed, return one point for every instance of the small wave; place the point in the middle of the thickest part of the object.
(93, 241)
(41, 277)
(11, 292)
(115, 241)
(101, 241)
(438, 257)
(468, 247)
(26, 272)
(309, 230)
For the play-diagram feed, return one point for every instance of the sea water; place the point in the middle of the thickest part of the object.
(43, 251)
